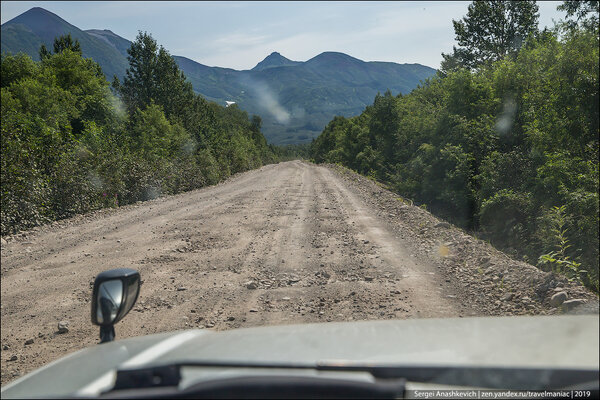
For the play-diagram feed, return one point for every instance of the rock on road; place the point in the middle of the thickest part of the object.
(287, 243)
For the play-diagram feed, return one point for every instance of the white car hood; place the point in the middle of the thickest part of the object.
(543, 341)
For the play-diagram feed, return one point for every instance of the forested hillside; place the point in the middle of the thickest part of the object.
(297, 99)
(502, 142)
(28, 31)
(294, 99)
(70, 145)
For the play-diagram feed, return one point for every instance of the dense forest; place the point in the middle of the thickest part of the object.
(72, 143)
(503, 141)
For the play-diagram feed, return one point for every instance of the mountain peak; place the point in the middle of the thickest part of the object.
(38, 26)
(275, 56)
(274, 60)
(34, 14)
(39, 10)
(43, 23)
(333, 57)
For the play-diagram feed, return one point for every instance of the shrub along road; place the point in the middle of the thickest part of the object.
(287, 243)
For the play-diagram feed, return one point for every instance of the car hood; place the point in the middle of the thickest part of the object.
(541, 341)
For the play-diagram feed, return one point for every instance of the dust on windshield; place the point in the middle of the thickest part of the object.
(331, 186)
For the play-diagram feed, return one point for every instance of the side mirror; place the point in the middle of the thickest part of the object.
(115, 292)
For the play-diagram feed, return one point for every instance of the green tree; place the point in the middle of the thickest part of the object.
(61, 43)
(65, 42)
(44, 52)
(495, 149)
(504, 218)
(68, 148)
(585, 11)
(153, 75)
(84, 78)
(384, 125)
(17, 67)
(323, 146)
(490, 31)
(154, 136)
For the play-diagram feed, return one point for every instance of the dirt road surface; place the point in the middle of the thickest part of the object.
(288, 243)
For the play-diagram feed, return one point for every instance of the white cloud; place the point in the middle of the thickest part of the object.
(236, 41)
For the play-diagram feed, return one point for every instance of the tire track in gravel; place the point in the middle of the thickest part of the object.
(122, 241)
(417, 278)
(128, 219)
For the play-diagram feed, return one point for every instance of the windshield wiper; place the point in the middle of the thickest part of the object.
(263, 386)
(483, 377)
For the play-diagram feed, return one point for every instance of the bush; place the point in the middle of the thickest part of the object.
(68, 147)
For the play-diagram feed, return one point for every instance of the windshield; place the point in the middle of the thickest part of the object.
(272, 163)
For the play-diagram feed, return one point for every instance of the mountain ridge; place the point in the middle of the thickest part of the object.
(295, 99)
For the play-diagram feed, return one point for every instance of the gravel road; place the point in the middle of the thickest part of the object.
(287, 243)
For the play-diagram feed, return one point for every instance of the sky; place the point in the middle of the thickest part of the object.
(238, 35)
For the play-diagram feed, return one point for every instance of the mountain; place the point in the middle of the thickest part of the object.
(37, 26)
(295, 99)
(274, 60)
(115, 41)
